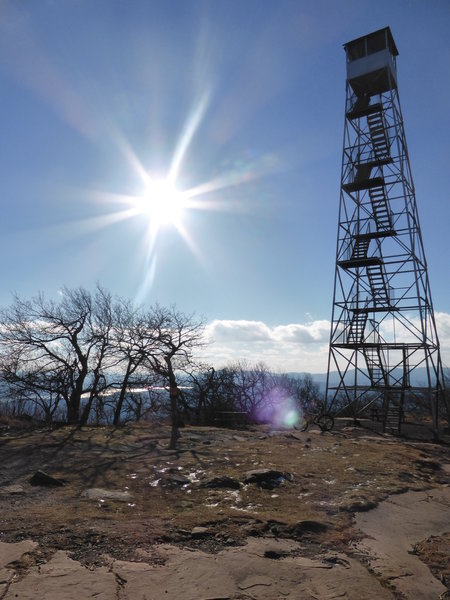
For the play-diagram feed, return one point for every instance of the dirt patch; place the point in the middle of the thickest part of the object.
(435, 552)
(153, 495)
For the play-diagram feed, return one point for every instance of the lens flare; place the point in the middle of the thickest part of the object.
(279, 409)
(291, 418)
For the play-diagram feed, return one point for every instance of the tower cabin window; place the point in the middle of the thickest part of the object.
(356, 50)
(376, 42)
(370, 44)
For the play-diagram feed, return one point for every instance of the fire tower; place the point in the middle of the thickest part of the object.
(383, 343)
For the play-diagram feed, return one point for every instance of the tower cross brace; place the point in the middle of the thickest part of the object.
(383, 344)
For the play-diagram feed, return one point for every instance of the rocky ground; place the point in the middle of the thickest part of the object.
(253, 513)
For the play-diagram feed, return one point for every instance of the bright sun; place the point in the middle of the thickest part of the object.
(163, 203)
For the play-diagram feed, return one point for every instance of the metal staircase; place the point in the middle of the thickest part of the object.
(377, 282)
(380, 207)
(360, 248)
(393, 410)
(382, 321)
(378, 135)
(357, 327)
(375, 366)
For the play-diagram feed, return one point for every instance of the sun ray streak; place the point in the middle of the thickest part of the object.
(264, 166)
(109, 198)
(193, 247)
(192, 124)
(78, 228)
(126, 149)
(147, 282)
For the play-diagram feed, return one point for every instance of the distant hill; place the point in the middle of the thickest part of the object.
(418, 377)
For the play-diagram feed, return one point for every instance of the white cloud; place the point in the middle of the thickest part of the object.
(292, 347)
(316, 331)
(443, 325)
(443, 328)
(249, 331)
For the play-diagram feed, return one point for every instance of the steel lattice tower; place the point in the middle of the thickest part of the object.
(383, 327)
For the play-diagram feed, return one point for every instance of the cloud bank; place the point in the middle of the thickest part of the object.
(294, 347)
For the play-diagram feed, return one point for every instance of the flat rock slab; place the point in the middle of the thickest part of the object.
(101, 494)
(11, 490)
(12, 552)
(64, 579)
(394, 527)
(263, 569)
(195, 575)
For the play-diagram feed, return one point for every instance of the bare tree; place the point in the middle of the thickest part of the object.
(134, 339)
(100, 323)
(202, 385)
(263, 395)
(177, 335)
(90, 350)
(67, 340)
(36, 394)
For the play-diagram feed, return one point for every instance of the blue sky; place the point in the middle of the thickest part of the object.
(242, 98)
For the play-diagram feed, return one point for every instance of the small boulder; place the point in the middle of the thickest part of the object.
(275, 554)
(222, 482)
(199, 532)
(41, 478)
(295, 435)
(357, 504)
(174, 479)
(310, 527)
(267, 478)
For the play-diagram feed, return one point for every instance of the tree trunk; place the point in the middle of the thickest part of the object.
(201, 408)
(74, 403)
(175, 434)
(92, 396)
(73, 409)
(87, 409)
(121, 399)
(174, 416)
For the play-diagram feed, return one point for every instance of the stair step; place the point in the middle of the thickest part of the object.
(360, 248)
(357, 327)
(380, 207)
(378, 135)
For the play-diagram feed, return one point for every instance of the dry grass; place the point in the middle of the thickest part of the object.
(332, 475)
(435, 552)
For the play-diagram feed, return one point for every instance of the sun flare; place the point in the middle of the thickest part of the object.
(163, 203)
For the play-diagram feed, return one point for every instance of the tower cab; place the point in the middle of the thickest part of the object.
(371, 63)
